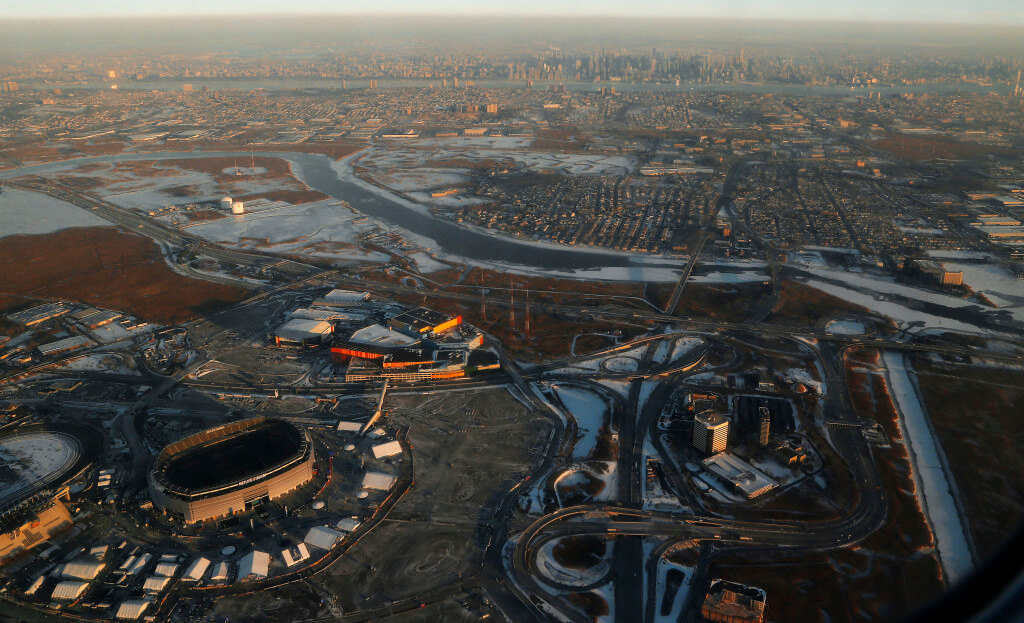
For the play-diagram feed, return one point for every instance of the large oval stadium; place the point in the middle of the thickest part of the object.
(230, 469)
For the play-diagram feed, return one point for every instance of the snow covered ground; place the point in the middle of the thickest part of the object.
(845, 327)
(902, 314)
(995, 282)
(28, 213)
(590, 412)
(934, 483)
(319, 229)
(678, 598)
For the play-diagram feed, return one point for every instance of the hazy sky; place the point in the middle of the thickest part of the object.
(1004, 12)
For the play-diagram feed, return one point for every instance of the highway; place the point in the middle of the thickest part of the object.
(624, 519)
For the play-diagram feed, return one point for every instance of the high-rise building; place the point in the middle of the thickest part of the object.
(765, 431)
(710, 432)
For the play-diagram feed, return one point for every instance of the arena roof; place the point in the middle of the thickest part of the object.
(223, 456)
(302, 329)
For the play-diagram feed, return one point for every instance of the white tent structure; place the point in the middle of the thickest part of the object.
(155, 583)
(383, 450)
(294, 555)
(196, 570)
(131, 609)
(255, 565)
(322, 537)
(220, 572)
(82, 570)
(377, 481)
(68, 590)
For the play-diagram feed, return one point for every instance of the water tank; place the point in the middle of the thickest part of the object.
(225, 203)
(237, 207)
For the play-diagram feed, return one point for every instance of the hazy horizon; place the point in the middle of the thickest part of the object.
(921, 12)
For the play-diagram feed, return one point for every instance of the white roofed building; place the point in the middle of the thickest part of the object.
(377, 481)
(155, 583)
(294, 555)
(390, 448)
(220, 572)
(82, 570)
(166, 568)
(348, 524)
(254, 566)
(132, 609)
(322, 537)
(196, 570)
(69, 590)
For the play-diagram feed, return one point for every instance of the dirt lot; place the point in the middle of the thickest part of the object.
(918, 148)
(976, 413)
(805, 306)
(108, 268)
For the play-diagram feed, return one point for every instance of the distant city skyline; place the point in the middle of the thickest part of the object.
(995, 12)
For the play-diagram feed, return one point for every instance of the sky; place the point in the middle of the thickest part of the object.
(998, 12)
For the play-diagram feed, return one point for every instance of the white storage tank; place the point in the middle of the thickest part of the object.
(225, 203)
(238, 207)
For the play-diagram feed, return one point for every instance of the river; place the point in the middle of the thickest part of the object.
(443, 236)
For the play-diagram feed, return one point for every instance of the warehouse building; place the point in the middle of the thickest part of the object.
(254, 566)
(741, 476)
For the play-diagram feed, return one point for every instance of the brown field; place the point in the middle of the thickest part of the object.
(105, 267)
(918, 148)
(726, 302)
(803, 305)
(558, 138)
(976, 413)
(801, 587)
(592, 604)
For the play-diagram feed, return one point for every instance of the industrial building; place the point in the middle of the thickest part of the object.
(710, 432)
(937, 272)
(741, 476)
(29, 524)
(729, 602)
(231, 469)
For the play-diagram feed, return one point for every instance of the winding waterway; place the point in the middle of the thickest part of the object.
(444, 236)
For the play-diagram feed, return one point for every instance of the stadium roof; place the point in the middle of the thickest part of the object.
(197, 569)
(390, 448)
(322, 537)
(255, 564)
(378, 481)
(131, 609)
(69, 590)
